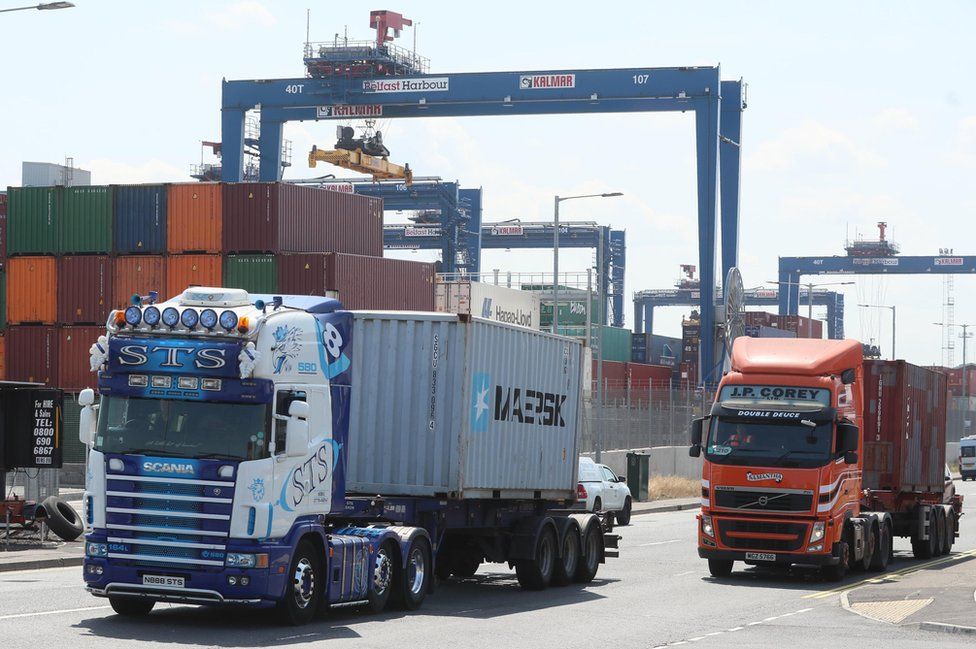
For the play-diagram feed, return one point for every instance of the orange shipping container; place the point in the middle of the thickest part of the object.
(74, 366)
(192, 270)
(193, 218)
(32, 289)
(138, 274)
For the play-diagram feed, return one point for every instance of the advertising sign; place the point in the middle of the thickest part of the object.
(482, 300)
(31, 428)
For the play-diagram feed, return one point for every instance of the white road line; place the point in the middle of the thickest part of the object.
(644, 545)
(732, 630)
(64, 610)
(682, 574)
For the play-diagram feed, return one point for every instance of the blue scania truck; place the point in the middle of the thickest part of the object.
(281, 452)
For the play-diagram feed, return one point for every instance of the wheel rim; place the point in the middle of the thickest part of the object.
(570, 552)
(382, 571)
(303, 584)
(416, 571)
(546, 554)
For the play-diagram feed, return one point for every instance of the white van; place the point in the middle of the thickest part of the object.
(967, 457)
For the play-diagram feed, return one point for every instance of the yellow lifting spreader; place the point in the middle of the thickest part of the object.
(379, 168)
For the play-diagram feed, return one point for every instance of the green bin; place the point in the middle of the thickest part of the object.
(638, 475)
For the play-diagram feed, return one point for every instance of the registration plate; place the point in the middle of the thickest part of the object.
(760, 556)
(160, 580)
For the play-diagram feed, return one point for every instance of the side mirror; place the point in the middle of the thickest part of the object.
(850, 457)
(621, 478)
(697, 426)
(847, 438)
(87, 419)
(847, 376)
(296, 429)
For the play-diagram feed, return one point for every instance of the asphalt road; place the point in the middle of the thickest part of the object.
(657, 594)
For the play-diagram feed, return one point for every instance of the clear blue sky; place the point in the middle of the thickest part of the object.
(858, 112)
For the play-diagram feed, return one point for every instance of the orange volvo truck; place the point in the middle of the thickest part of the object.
(814, 455)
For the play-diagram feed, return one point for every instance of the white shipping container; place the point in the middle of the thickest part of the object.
(489, 301)
(461, 409)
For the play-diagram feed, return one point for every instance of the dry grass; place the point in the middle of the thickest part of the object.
(661, 487)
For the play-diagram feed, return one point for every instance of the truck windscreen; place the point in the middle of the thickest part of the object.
(744, 442)
(186, 429)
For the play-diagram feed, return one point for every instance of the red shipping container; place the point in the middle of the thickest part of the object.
(361, 282)
(904, 427)
(3, 225)
(645, 376)
(281, 217)
(614, 374)
(84, 289)
(32, 354)
(137, 275)
(759, 319)
(74, 368)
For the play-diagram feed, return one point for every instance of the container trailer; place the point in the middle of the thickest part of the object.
(282, 452)
(817, 456)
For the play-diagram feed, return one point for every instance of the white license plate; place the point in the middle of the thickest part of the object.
(159, 580)
(760, 556)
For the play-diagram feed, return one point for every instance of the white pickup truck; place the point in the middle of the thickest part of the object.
(602, 490)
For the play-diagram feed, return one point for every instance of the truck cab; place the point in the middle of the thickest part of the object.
(781, 471)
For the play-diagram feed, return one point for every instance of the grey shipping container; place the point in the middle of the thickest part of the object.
(472, 409)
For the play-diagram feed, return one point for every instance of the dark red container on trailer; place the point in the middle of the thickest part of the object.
(904, 427)
(74, 367)
(32, 354)
(84, 289)
(281, 217)
(361, 282)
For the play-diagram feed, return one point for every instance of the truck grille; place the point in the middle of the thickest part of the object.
(749, 535)
(770, 501)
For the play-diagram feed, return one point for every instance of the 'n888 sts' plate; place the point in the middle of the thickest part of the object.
(760, 556)
(161, 580)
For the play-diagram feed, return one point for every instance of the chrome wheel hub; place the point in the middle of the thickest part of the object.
(303, 583)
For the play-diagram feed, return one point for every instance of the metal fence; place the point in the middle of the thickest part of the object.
(33, 484)
(640, 417)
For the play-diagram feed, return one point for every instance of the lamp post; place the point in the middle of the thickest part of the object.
(885, 306)
(44, 6)
(810, 286)
(555, 250)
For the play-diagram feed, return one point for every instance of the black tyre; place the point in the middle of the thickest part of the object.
(950, 537)
(536, 573)
(130, 607)
(303, 593)
(597, 505)
(569, 557)
(623, 516)
(413, 580)
(882, 550)
(62, 518)
(870, 547)
(938, 548)
(720, 567)
(382, 576)
(590, 554)
(837, 572)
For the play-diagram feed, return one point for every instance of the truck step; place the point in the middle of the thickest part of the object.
(611, 554)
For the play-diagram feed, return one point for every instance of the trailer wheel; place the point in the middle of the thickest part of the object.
(870, 547)
(950, 537)
(569, 559)
(720, 567)
(536, 573)
(381, 582)
(882, 549)
(940, 529)
(129, 607)
(925, 549)
(413, 580)
(303, 591)
(837, 572)
(590, 554)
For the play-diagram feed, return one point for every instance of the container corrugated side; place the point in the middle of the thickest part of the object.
(84, 289)
(3, 225)
(72, 450)
(32, 354)
(32, 220)
(435, 412)
(253, 273)
(379, 283)
(904, 427)
(140, 218)
(249, 217)
(194, 218)
(183, 271)
(318, 220)
(138, 274)
(32, 290)
(74, 367)
(86, 220)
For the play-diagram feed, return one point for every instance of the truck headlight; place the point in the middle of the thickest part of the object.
(706, 526)
(96, 549)
(243, 560)
(817, 533)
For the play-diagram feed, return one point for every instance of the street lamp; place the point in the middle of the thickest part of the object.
(555, 252)
(885, 306)
(45, 6)
(810, 286)
(964, 335)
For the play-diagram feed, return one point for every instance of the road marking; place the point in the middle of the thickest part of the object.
(892, 576)
(64, 610)
(682, 574)
(732, 630)
(644, 545)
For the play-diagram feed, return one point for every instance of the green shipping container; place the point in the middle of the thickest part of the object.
(616, 341)
(32, 220)
(86, 220)
(253, 273)
(72, 450)
(571, 312)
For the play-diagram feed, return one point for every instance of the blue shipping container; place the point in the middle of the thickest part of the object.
(140, 218)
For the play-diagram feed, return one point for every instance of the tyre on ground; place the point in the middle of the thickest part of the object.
(925, 548)
(720, 567)
(597, 505)
(536, 573)
(950, 537)
(62, 518)
(381, 577)
(131, 607)
(870, 547)
(569, 557)
(623, 516)
(882, 549)
(412, 580)
(940, 532)
(306, 583)
(838, 571)
(590, 554)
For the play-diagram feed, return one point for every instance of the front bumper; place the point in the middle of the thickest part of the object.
(781, 557)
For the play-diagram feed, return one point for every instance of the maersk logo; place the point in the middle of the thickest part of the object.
(178, 468)
(486, 308)
(480, 409)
